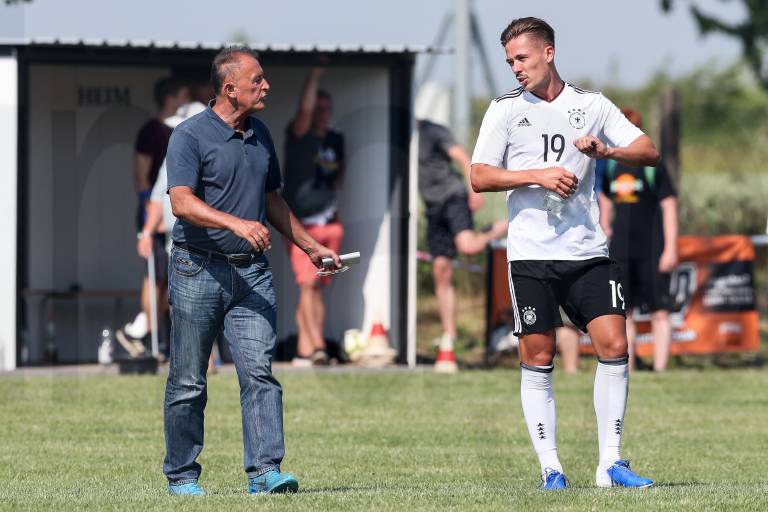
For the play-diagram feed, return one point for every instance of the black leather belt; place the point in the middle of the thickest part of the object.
(235, 259)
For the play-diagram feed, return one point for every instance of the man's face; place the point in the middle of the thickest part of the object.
(321, 118)
(250, 85)
(530, 59)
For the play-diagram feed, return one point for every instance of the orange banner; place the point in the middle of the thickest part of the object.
(713, 299)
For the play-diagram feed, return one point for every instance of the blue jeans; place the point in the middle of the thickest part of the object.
(205, 294)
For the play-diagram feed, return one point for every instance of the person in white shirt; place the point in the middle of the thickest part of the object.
(539, 143)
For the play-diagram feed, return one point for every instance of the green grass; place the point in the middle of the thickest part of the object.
(387, 441)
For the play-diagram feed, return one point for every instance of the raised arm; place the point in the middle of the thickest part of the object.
(303, 120)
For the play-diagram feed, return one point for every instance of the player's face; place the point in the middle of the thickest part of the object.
(530, 59)
(250, 84)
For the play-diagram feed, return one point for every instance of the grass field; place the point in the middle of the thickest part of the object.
(387, 441)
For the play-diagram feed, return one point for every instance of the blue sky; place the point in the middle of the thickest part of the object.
(618, 41)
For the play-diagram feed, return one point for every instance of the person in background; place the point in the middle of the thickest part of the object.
(449, 202)
(314, 171)
(639, 214)
(149, 153)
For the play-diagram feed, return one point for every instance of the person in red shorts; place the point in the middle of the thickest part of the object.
(314, 171)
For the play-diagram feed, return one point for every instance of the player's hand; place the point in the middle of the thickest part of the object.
(475, 201)
(668, 261)
(318, 252)
(255, 233)
(144, 246)
(591, 146)
(558, 180)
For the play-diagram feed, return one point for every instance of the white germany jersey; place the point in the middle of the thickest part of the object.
(521, 131)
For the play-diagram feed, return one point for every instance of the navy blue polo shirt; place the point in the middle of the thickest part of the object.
(228, 171)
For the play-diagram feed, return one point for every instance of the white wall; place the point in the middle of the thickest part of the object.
(81, 203)
(8, 174)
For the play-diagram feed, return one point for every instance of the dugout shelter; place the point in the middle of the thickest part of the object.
(69, 114)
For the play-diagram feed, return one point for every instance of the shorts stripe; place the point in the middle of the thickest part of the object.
(518, 324)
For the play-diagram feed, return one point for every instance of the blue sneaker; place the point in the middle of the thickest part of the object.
(273, 482)
(619, 475)
(553, 480)
(187, 489)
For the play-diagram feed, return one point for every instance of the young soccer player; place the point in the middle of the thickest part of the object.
(539, 144)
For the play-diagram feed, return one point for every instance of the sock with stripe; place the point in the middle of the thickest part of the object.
(610, 396)
(539, 412)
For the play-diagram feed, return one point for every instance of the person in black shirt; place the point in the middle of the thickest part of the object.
(149, 153)
(314, 171)
(643, 235)
(449, 202)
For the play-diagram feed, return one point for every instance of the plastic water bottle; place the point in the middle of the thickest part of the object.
(554, 204)
(105, 348)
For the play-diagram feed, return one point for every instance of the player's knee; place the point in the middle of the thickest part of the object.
(615, 347)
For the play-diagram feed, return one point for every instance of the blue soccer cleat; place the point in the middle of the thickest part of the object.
(273, 482)
(553, 480)
(187, 489)
(618, 474)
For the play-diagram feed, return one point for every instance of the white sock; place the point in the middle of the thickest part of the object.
(610, 396)
(446, 342)
(539, 411)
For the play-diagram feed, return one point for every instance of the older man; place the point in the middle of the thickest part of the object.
(223, 179)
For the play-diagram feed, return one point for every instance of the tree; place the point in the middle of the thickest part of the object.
(752, 32)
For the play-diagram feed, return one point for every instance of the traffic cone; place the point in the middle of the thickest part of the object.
(377, 351)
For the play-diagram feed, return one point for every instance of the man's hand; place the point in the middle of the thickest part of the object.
(558, 180)
(318, 252)
(255, 233)
(592, 147)
(144, 246)
(668, 261)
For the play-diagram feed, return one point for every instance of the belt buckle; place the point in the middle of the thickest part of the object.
(239, 259)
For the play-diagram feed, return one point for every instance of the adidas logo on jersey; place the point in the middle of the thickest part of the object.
(524, 122)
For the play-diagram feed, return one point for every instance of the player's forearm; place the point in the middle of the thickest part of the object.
(154, 217)
(606, 212)
(141, 165)
(487, 178)
(640, 153)
(187, 206)
(282, 218)
(670, 223)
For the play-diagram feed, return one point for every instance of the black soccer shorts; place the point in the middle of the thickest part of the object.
(446, 220)
(585, 289)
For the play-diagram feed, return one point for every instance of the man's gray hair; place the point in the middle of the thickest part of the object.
(226, 61)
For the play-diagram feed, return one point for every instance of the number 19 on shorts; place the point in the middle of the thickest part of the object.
(616, 293)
